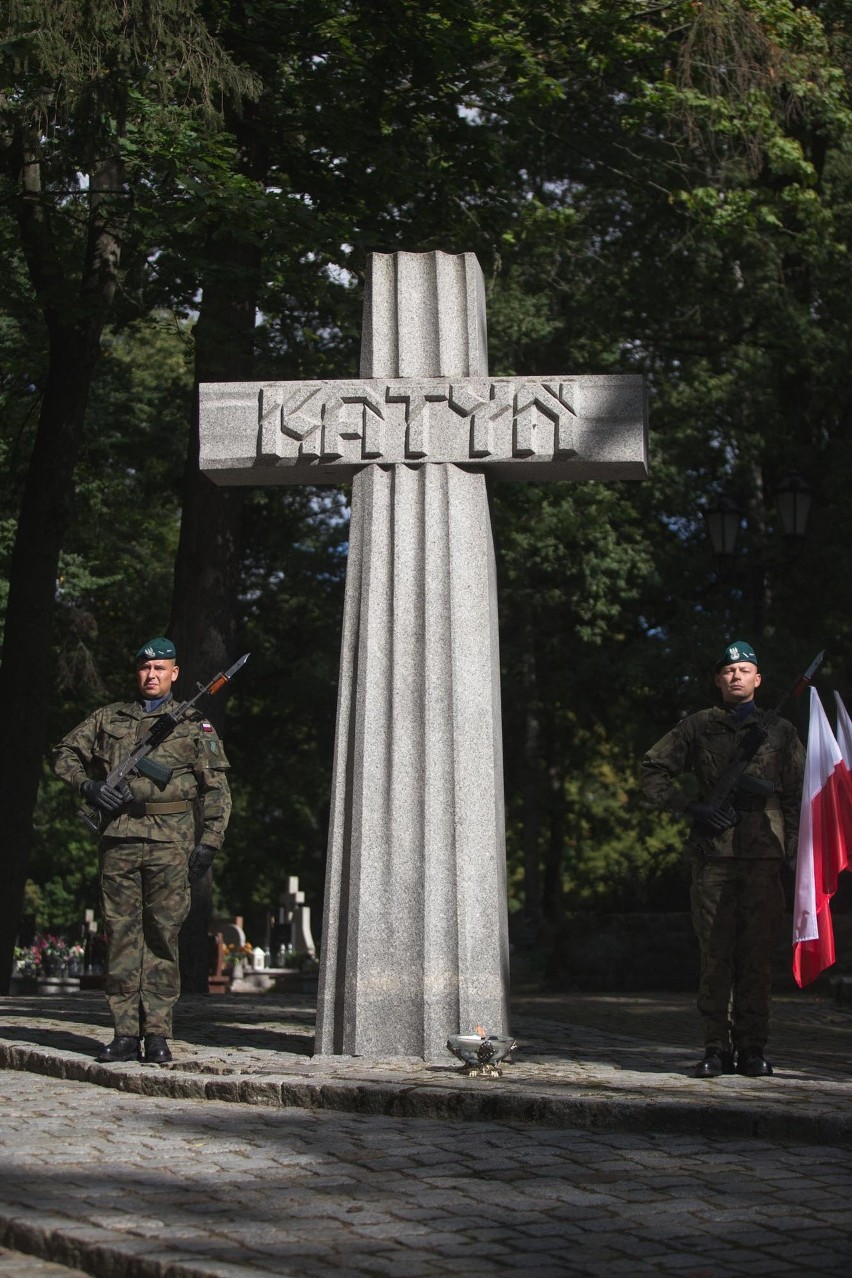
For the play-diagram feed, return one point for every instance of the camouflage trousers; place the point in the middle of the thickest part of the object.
(737, 908)
(145, 894)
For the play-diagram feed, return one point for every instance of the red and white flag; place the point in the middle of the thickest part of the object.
(844, 731)
(825, 834)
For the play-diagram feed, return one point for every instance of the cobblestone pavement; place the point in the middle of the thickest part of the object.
(595, 1153)
(597, 1061)
(16, 1264)
(153, 1187)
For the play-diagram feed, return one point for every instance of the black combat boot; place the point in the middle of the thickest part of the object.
(156, 1049)
(751, 1062)
(715, 1062)
(122, 1048)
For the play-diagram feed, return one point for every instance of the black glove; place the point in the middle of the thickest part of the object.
(200, 860)
(104, 796)
(713, 818)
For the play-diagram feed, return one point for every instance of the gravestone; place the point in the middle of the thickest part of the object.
(415, 944)
(231, 933)
(297, 917)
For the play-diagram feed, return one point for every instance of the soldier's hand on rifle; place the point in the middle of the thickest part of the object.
(712, 817)
(105, 796)
(200, 860)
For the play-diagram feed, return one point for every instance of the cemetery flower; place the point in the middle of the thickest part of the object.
(51, 947)
(237, 953)
(27, 962)
(47, 955)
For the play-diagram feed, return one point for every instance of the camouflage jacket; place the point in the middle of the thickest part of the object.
(193, 752)
(704, 744)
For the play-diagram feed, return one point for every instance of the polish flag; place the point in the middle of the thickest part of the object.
(825, 833)
(844, 731)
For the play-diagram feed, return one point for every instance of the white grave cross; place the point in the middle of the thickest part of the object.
(294, 911)
(414, 943)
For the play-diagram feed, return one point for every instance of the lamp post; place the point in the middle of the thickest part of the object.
(723, 522)
(793, 499)
(725, 518)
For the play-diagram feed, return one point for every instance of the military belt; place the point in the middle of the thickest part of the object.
(757, 803)
(139, 809)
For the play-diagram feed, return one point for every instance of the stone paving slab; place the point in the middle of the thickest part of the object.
(131, 1186)
(605, 1062)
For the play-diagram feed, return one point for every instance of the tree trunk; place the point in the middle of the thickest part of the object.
(26, 673)
(531, 793)
(207, 566)
(75, 317)
(554, 904)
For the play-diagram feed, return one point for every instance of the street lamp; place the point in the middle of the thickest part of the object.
(723, 521)
(793, 499)
(724, 518)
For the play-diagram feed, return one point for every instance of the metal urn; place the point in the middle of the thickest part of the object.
(481, 1052)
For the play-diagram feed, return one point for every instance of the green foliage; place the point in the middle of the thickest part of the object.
(281, 718)
(97, 51)
(115, 571)
(64, 866)
(619, 855)
(662, 189)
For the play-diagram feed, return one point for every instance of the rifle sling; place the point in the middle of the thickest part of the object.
(743, 755)
(750, 744)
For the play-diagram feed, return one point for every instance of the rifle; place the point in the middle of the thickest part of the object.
(139, 762)
(733, 777)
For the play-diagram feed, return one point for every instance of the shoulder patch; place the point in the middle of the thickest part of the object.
(206, 726)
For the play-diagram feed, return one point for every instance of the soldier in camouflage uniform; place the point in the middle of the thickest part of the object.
(158, 837)
(738, 857)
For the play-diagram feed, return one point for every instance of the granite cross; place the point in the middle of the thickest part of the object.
(414, 933)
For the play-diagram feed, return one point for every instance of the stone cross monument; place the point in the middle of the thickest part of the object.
(414, 939)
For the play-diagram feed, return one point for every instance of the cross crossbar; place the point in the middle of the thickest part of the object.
(545, 428)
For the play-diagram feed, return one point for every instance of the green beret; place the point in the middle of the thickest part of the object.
(160, 648)
(736, 652)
